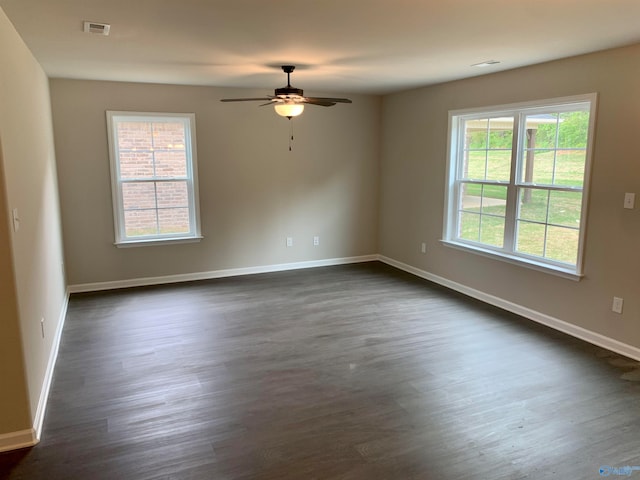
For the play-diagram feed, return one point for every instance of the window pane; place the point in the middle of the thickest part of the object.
(499, 165)
(172, 194)
(136, 164)
(538, 166)
(494, 199)
(138, 195)
(569, 169)
(171, 163)
(469, 226)
(487, 152)
(533, 204)
(562, 244)
(488, 198)
(530, 238)
(549, 207)
(168, 135)
(471, 196)
(474, 165)
(573, 129)
(476, 133)
(555, 150)
(140, 222)
(492, 230)
(501, 133)
(134, 135)
(173, 220)
(169, 148)
(541, 130)
(488, 227)
(565, 208)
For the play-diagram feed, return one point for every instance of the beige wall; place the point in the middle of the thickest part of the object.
(14, 405)
(34, 271)
(413, 178)
(253, 191)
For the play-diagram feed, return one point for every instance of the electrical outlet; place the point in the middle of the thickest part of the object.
(423, 247)
(617, 304)
(629, 200)
(289, 241)
(316, 241)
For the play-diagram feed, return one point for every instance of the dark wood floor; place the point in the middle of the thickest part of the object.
(348, 372)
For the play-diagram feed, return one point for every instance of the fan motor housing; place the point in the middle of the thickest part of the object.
(289, 91)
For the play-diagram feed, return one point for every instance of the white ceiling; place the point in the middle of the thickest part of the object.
(366, 46)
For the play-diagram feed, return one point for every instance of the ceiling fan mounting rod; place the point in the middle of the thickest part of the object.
(289, 90)
(288, 69)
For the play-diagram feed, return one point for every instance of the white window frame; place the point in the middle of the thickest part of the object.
(508, 252)
(188, 120)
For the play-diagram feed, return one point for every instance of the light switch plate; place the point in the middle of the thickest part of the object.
(16, 220)
(617, 305)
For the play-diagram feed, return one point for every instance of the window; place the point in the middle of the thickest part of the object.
(517, 182)
(153, 177)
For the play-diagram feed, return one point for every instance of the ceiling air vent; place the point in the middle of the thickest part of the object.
(97, 28)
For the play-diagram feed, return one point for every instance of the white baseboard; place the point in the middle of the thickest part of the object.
(16, 440)
(30, 437)
(48, 376)
(233, 272)
(555, 323)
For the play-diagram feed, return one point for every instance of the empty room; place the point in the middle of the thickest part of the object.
(319, 240)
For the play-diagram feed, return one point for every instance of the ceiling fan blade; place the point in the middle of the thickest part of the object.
(318, 101)
(290, 96)
(328, 99)
(244, 99)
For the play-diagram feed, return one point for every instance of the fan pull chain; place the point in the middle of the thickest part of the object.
(291, 133)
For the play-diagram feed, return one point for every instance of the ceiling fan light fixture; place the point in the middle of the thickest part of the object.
(289, 109)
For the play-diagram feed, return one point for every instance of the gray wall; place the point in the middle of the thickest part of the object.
(413, 165)
(253, 191)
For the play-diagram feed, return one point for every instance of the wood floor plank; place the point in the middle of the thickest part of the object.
(349, 372)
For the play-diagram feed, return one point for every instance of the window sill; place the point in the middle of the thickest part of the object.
(515, 260)
(157, 242)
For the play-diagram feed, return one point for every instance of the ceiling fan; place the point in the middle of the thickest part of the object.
(289, 101)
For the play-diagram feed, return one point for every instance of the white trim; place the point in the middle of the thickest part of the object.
(233, 272)
(531, 105)
(16, 440)
(521, 261)
(48, 376)
(156, 241)
(555, 323)
(189, 122)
